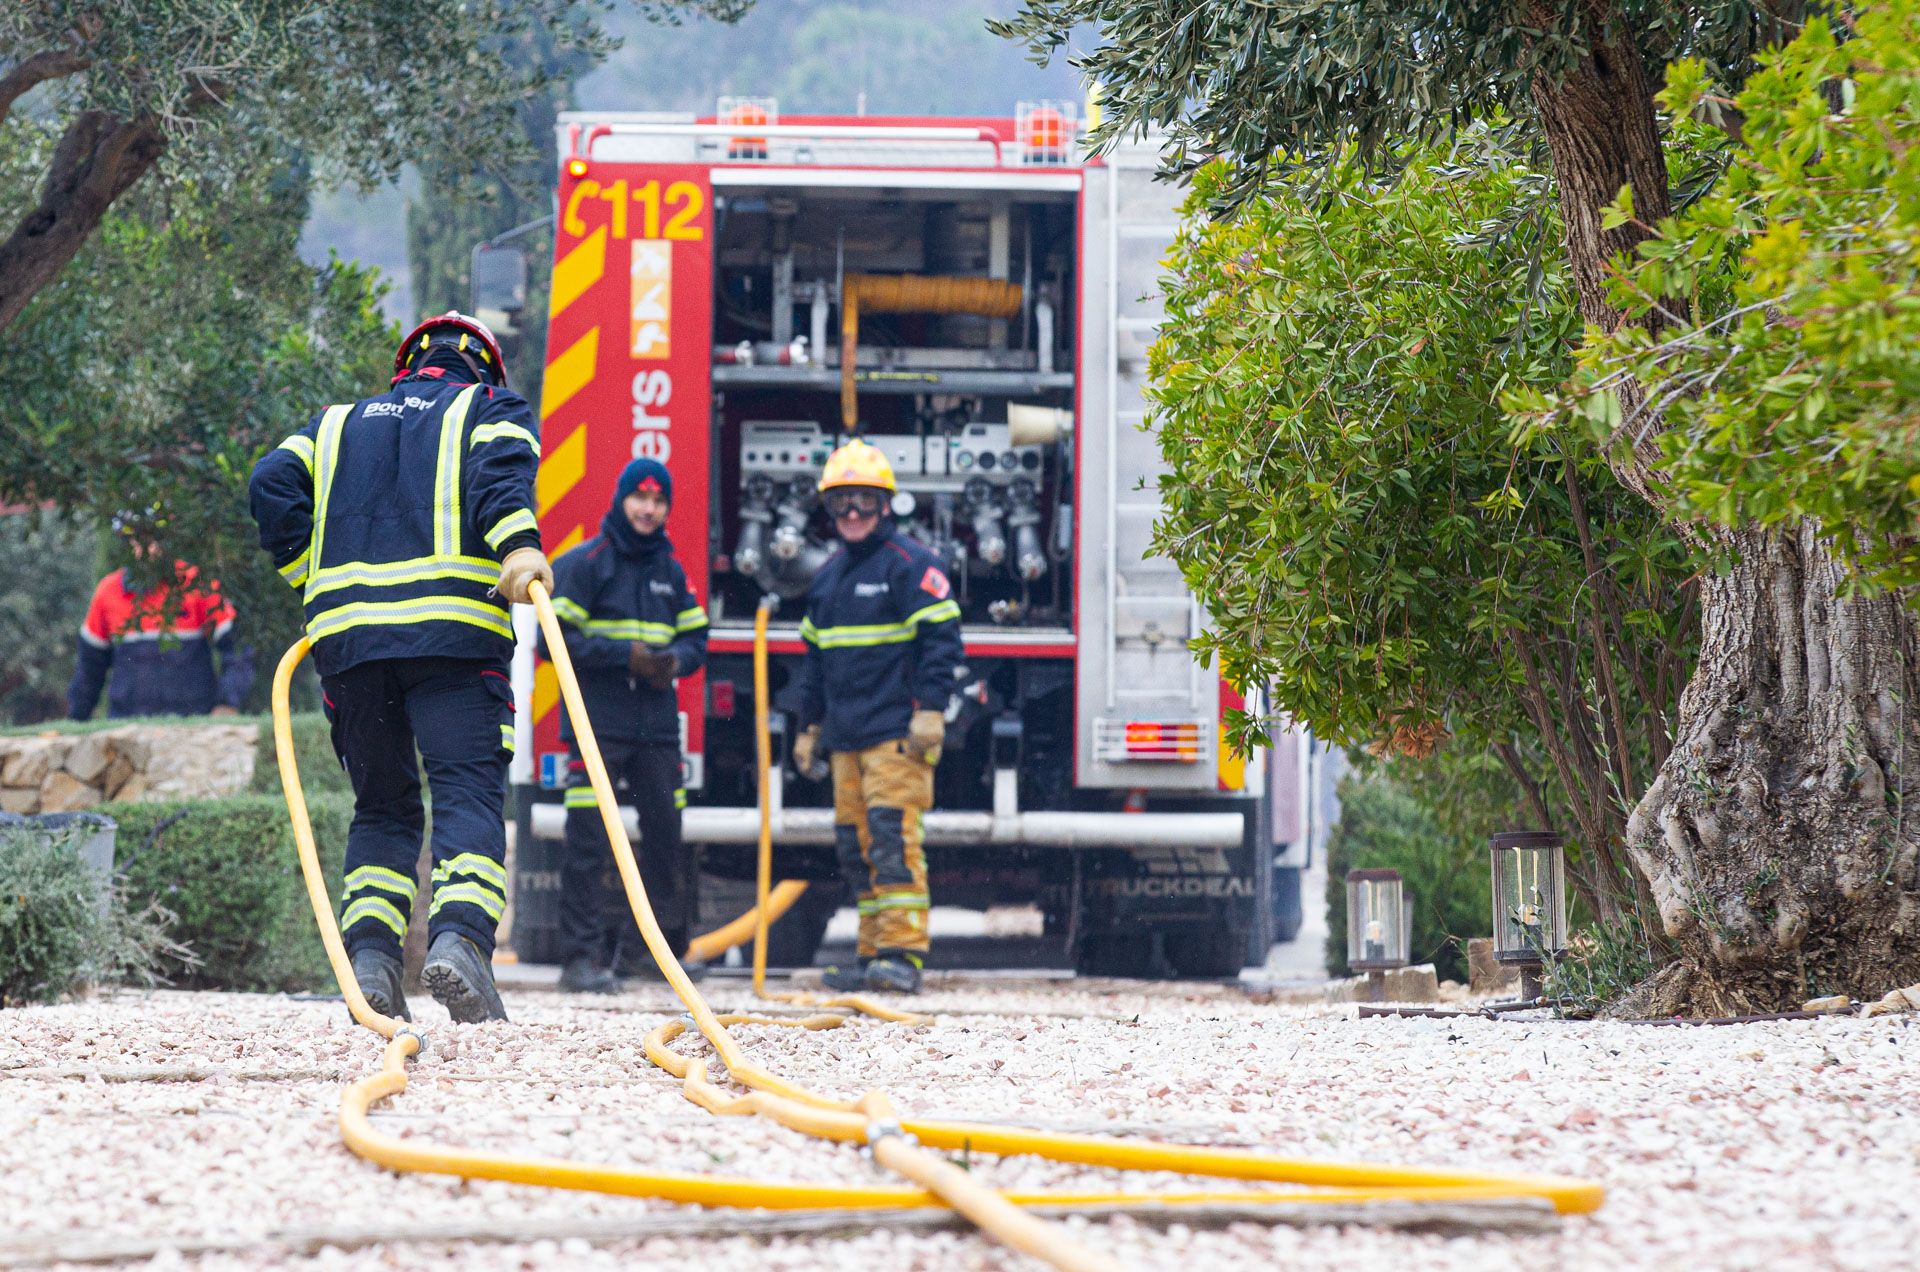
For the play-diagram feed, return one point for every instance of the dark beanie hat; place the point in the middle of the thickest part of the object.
(639, 473)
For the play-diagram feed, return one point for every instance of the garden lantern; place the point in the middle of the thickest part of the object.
(1376, 926)
(1529, 902)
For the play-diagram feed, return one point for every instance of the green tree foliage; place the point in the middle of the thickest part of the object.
(1786, 362)
(40, 613)
(450, 216)
(1429, 819)
(1273, 83)
(211, 90)
(1345, 497)
(189, 339)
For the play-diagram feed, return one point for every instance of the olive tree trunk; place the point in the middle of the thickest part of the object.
(1774, 837)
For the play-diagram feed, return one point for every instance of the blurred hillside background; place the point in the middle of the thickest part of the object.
(897, 57)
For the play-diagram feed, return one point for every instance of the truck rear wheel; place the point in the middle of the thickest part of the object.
(1108, 954)
(1207, 953)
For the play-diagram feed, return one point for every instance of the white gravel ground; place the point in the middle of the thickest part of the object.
(1783, 1144)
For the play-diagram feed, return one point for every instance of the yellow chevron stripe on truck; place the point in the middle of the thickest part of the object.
(569, 372)
(578, 270)
(561, 469)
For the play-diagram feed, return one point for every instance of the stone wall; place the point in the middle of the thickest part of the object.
(63, 773)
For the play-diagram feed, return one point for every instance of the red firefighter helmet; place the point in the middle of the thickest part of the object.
(465, 335)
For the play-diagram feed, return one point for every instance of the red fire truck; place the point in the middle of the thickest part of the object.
(734, 294)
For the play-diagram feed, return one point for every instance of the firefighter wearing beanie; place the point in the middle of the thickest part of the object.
(632, 628)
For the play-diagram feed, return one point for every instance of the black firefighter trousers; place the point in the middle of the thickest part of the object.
(458, 712)
(595, 920)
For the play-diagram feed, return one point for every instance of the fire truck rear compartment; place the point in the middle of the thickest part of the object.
(975, 412)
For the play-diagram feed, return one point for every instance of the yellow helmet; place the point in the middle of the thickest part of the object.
(857, 464)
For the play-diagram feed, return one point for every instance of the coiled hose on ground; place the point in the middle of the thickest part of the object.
(894, 1142)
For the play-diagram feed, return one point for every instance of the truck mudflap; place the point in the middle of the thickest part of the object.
(1156, 834)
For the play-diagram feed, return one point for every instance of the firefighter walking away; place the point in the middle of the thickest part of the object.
(406, 522)
(883, 654)
(632, 628)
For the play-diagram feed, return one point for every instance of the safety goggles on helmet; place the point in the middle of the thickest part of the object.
(465, 335)
(842, 501)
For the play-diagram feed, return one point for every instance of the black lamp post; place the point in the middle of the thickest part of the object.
(1376, 926)
(1529, 903)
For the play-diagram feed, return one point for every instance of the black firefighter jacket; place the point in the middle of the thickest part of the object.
(391, 516)
(882, 635)
(608, 595)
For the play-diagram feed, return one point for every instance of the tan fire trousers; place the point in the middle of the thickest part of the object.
(879, 795)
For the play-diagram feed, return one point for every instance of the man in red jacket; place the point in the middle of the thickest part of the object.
(158, 647)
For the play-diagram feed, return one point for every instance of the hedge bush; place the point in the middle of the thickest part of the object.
(1429, 819)
(320, 771)
(228, 872)
(54, 937)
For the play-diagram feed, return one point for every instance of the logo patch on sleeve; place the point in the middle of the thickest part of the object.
(935, 584)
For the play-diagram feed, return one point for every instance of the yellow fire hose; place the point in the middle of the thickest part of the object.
(711, 945)
(869, 1120)
(910, 293)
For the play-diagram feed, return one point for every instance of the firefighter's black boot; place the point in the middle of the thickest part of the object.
(634, 961)
(894, 974)
(380, 976)
(459, 976)
(847, 979)
(584, 976)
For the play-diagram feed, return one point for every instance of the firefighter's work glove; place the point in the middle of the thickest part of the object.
(655, 666)
(523, 566)
(925, 734)
(806, 749)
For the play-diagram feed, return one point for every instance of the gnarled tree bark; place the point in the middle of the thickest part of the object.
(1773, 839)
(98, 158)
(1776, 838)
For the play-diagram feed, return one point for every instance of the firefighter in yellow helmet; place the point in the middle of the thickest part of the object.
(883, 656)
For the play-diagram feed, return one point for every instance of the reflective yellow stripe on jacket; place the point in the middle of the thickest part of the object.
(418, 570)
(302, 449)
(295, 571)
(572, 612)
(326, 449)
(446, 476)
(503, 430)
(446, 563)
(878, 633)
(508, 526)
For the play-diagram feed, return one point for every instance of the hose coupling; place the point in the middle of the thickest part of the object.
(877, 1131)
(418, 1035)
(689, 1025)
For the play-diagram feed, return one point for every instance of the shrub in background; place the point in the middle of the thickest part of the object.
(228, 872)
(1429, 819)
(1603, 964)
(40, 610)
(320, 770)
(54, 937)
